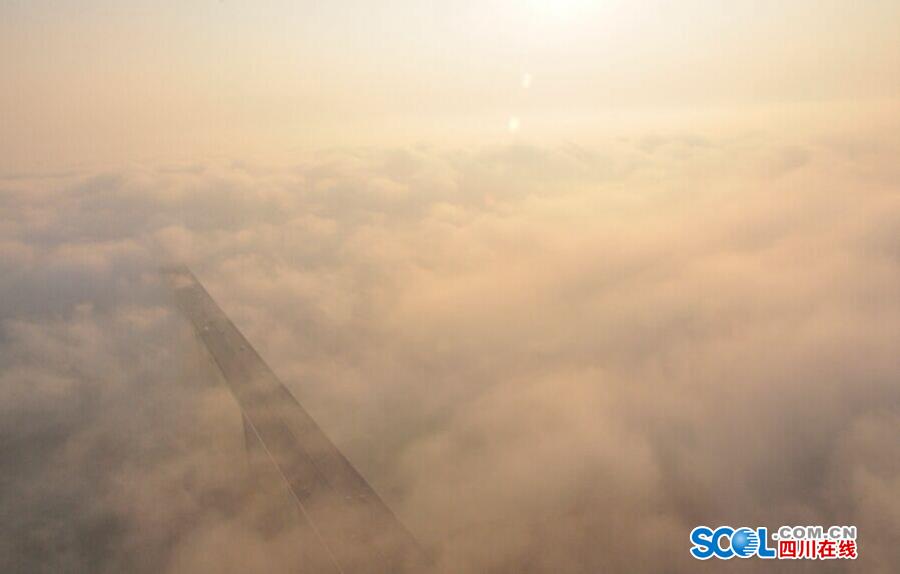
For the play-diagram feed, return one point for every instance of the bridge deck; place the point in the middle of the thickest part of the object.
(347, 525)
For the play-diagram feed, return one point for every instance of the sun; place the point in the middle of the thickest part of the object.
(560, 10)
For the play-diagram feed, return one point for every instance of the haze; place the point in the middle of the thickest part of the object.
(562, 279)
(102, 81)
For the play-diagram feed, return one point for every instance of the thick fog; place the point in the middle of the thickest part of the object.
(545, 359)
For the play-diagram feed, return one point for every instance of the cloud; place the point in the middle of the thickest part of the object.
(545, 359)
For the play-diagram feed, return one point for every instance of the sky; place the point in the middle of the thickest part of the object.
(105, 81)
(562, 280)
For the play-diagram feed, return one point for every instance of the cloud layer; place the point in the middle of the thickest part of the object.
(545, 359)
